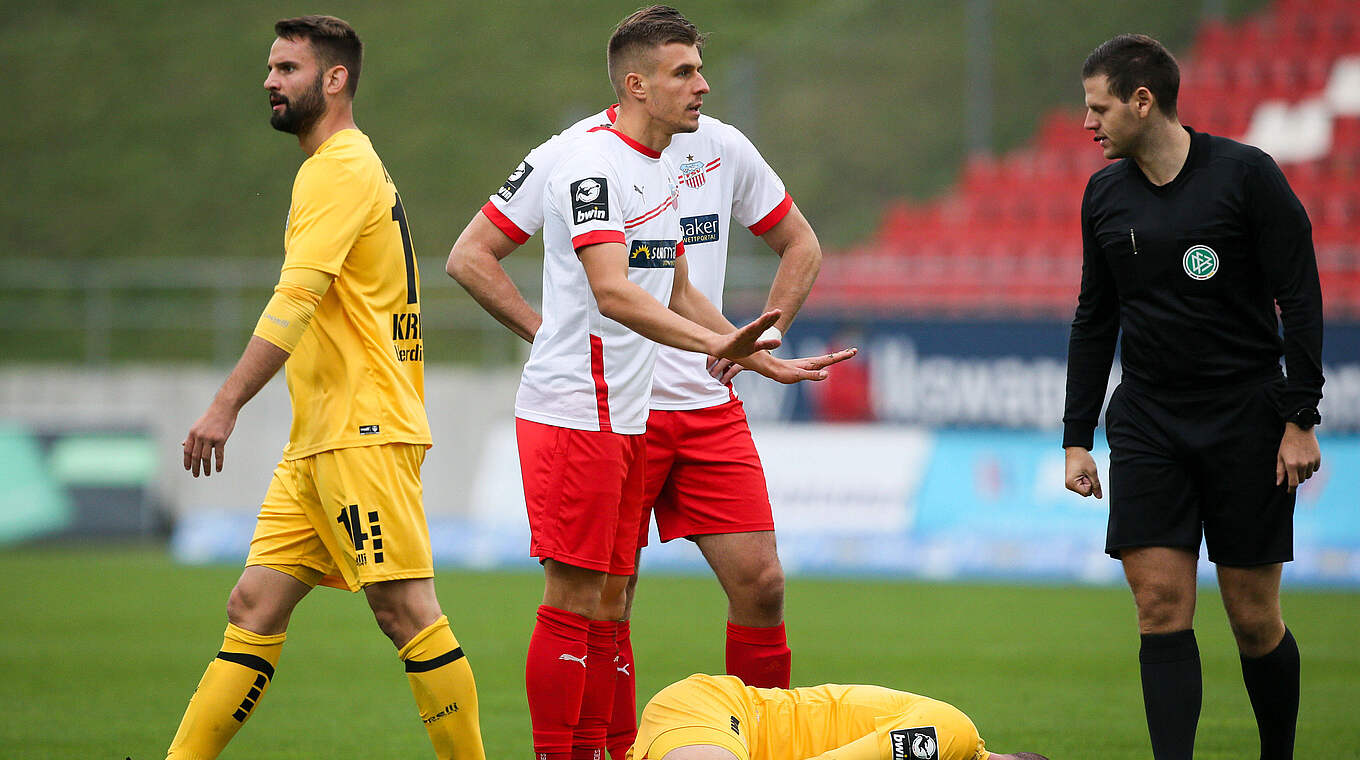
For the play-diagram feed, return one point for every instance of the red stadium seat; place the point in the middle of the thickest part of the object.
(1007, 240)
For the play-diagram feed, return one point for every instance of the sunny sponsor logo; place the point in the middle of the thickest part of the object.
(652, 254)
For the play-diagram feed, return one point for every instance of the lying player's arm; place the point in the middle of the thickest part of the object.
(623, 301)
(800, 258)
(475, 262)
(281, 326)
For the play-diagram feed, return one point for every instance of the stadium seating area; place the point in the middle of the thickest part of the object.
(1006, 240)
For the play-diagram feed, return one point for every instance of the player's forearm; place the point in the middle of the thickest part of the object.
(482, 276)
(799, 264)
(690, 303)
(628, 304)
(260, 362)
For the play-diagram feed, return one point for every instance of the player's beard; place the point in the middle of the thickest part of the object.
(298, 115)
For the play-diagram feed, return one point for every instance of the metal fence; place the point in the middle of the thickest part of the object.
(101, 312)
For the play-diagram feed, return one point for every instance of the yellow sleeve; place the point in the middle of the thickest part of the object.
(290, 310)
(328, 211)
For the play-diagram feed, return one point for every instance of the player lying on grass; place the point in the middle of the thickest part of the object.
(720, 718)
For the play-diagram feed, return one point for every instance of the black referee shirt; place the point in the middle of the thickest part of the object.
(1191, 272)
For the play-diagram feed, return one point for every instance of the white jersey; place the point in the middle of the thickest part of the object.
(722, 178)
(586, 371)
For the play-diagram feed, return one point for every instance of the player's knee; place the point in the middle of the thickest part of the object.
(1256, 631)
(392, 623)
(1163, 607)
(238, 605)
(614, 601)
(769, 589)
(250, 610)
(761, 591)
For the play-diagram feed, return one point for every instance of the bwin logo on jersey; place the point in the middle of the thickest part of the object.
(1200, 262)
(915, 743)
(652, 254)
(590, 200)
(515, 180)
(700, 229)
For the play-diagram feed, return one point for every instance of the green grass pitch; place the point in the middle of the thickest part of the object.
(101, 648)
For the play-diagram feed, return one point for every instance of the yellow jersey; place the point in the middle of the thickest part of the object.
(830, 721)
(357, 375)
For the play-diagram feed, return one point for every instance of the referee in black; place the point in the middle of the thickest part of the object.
(1189, 243)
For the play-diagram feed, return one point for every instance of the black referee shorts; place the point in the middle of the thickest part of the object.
(1190, 463)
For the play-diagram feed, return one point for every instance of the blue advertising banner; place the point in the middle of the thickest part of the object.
(889, 500)
(959, 374)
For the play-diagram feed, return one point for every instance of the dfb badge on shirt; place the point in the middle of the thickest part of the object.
(915, 744)
(590, 200)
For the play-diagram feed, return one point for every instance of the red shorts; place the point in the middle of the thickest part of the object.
(583, 491)
(703, 474)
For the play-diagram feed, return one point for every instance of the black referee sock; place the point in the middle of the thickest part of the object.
(1172, 687)
(1273, 685)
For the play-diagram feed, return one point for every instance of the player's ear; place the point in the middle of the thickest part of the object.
(635, 85)
(1143, 101)
(335, 79)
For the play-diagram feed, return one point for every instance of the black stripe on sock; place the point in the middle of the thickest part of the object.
(423, 666)
(250, 661)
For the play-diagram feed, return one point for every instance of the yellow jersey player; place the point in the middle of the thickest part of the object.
(344, 507)
(720, 718)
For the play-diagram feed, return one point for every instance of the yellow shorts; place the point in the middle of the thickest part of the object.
(346, 518)
(833, 722)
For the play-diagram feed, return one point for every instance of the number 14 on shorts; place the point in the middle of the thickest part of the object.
(349, 518)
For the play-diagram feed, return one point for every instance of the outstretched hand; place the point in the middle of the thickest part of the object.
(789, 371)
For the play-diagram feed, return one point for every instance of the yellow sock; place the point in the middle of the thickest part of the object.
(445, 691)
(227, 694)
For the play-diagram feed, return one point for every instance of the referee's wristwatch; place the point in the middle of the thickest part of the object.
(1305, 418)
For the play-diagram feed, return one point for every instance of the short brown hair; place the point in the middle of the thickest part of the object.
(334, 40)
(1130, 61)
(646, 29)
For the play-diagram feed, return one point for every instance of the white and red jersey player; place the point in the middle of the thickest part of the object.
(704, 479)
(585, 370)
(723, 179)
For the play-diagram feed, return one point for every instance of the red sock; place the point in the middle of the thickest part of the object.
(597, 705)
(623, 726)
(555, 679)
(759, 656)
